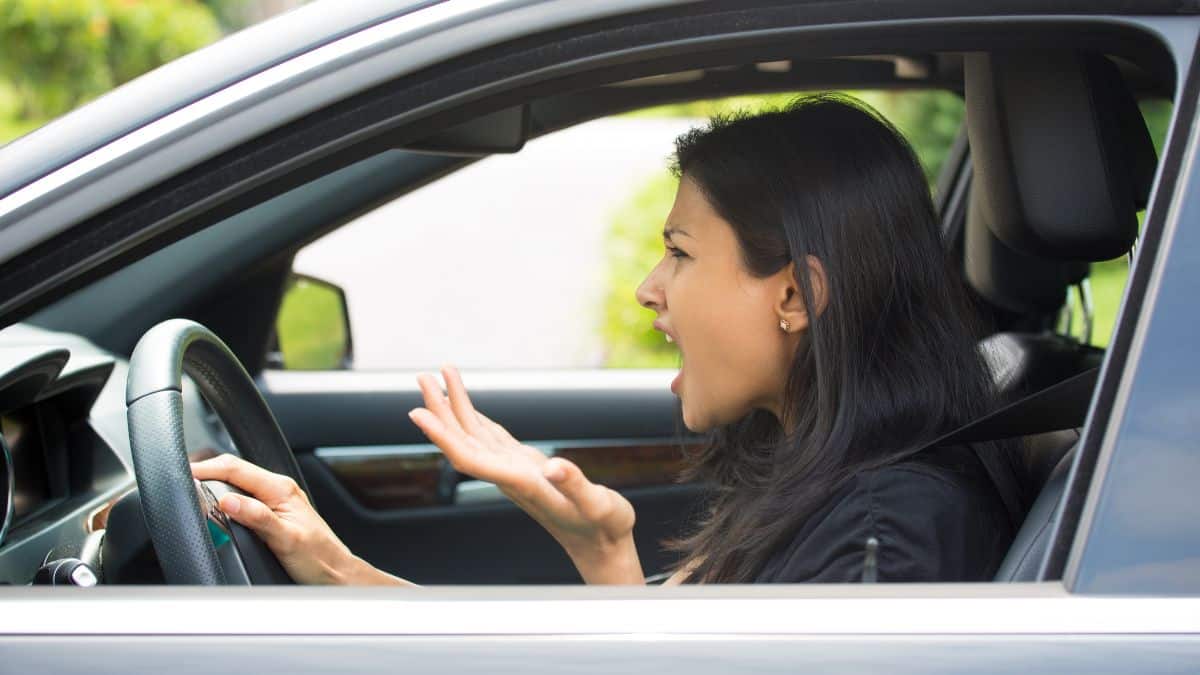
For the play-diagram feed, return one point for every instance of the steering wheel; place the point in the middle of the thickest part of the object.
(195, 545)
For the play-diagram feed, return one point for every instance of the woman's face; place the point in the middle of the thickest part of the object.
(725, 321)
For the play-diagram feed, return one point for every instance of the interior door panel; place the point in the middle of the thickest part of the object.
(395, 501)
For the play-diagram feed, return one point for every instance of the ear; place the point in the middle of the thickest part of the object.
(790, 305)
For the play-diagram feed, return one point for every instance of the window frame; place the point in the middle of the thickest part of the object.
(148, 218)
(944, 187)
(1088, 529)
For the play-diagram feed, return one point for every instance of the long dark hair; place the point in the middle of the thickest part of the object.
(889, 364)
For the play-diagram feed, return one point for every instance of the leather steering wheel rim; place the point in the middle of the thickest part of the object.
(154, 408)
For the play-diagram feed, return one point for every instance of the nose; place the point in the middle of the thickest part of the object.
(650, 292)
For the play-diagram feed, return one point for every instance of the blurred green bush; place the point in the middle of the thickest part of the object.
(1108, 278)
(61, 53)
(634, 245)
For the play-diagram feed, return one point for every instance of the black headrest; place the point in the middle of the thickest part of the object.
(1010, 279)
(1060, 151)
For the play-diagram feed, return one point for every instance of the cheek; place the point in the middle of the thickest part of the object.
(729, 361)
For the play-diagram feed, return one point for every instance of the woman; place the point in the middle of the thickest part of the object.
(825, 340)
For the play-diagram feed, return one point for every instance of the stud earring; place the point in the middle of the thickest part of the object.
(783, 323)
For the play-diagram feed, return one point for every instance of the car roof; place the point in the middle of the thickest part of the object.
(188, 79)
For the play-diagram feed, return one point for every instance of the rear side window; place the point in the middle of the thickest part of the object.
(1107, 279)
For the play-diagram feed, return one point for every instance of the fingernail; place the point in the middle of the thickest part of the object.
(555, 473)
(231, 505)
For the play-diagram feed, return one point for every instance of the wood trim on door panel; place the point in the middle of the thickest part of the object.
(407, 476)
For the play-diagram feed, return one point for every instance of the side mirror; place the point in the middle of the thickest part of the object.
(312, 329)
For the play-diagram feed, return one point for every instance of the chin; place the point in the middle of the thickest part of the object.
(698, 422)
(689, 421)
(704, 420)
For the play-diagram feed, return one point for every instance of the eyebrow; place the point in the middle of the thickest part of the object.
(673, 230)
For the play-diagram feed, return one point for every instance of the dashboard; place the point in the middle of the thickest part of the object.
(64, 448)
(39, 463)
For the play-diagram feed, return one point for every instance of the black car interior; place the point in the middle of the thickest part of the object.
(1029, 115)
(1054, 166)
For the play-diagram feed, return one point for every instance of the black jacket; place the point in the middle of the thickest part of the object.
(936, 516)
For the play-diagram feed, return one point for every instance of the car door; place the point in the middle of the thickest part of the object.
(395, 501)
(1118, 592)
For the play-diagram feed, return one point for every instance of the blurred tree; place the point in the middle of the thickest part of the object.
(633, 247)
(60, 53)
(149, 33)
(930, 120)
(234, 15)
(55, 53)
(1109, 277)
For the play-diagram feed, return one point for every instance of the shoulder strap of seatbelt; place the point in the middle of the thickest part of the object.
(1055, 408)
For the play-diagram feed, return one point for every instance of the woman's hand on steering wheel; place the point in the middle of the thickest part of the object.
(280, 514)
(593, 523)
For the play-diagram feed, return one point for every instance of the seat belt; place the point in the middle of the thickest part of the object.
(1056, 408)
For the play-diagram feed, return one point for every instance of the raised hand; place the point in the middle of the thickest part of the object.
(594, 524)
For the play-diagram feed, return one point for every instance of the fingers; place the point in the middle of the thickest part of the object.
(265, 485)
(452, 443)
(438, 404)
(458, 422)
(568, 479)
(460, 403)
(500, 436)
(473, 443)
(498, 432)
(594, 502)
(254, 515)
(432, 426)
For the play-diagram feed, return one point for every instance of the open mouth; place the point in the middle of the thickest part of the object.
(670, 338)
(676, 383)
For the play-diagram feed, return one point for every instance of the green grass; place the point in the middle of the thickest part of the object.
(1108, 285)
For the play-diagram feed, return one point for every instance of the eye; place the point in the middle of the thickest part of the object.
(675, 252)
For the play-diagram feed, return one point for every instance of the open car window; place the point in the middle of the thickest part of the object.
(536, 255)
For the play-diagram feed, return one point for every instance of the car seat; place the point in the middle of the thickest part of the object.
(1062, 163)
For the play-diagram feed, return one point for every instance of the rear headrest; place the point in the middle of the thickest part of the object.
(1010, 279)
(1061, 153)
